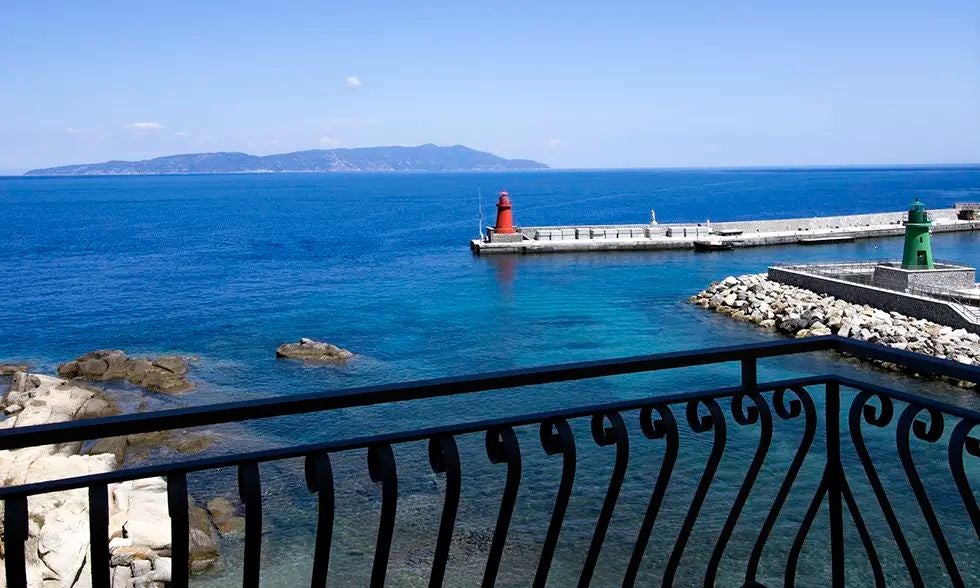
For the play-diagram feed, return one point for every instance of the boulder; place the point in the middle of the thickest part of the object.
(93, 368)
(203, 551)
(122, 577)
(791, 326)
(96, 407)
(23, 382)
(163, 380)
(136, 370)
(172, 363)
(149, 517)
(125, 555)
(225, 517)
(8, 369)
(115, 446)
(202, 543)
(311, 350)
(163, 374)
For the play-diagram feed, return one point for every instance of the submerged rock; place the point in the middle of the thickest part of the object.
(162, 374)
(311, 350)
(225, 516)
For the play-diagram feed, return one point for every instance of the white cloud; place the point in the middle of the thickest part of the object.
(72, 130)
(329, 142)
(182, 134)
(145, 126)
(353, 82)
(555, 143)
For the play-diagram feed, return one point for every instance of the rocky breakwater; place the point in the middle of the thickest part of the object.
(800, 313)
(167, 373)
(57, 550)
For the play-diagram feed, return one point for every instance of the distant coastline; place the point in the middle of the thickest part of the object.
(518, 165)
(364, 159)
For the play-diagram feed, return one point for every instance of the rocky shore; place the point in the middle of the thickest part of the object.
(139, 520)
(800, 313)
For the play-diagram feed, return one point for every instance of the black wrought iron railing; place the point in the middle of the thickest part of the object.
(831, 493)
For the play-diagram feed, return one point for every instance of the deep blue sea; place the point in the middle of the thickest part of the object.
(225, 268)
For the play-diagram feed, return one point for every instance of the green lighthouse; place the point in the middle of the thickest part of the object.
(918, 251)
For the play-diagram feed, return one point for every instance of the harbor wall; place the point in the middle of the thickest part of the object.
(673, 236)
(937, 311)
(852, 221)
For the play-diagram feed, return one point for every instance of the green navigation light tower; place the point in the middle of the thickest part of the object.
(918, 250)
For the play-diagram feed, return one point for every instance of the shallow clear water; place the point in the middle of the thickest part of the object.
(225, 268)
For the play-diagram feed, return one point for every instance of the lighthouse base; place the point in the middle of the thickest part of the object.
(496, 237)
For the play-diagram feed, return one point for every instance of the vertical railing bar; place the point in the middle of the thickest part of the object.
(865, 536)
(179, 529)
(14, 537)
(743, 416)
(556, 437)
(250, 493)
(930, 433)
(750, 375)
(319, 480)
(860, 409)
(664, 427)
(602, 435)
(803, 405)
(714, 421)
(793, 558)
(502, 446)
(381, 467)
(835, 474)
(98, 525)
(444, 458)
(959, 441)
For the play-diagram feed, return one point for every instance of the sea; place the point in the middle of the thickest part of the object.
(224, 268)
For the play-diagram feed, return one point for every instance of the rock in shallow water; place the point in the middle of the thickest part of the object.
(9, 369)
(163, 374)
(311, 350)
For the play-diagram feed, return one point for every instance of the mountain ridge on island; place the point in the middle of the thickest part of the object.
(426, 157)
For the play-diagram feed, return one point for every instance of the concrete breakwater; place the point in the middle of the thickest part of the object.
(799, 313)
(747, 233)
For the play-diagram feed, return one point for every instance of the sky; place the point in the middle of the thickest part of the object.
(571, 84)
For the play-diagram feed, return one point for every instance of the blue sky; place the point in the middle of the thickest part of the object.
(590, 84)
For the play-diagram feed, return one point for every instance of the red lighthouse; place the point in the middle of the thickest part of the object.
(505, 219)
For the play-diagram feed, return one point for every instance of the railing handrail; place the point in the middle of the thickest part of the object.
(277, 406)
(351, 443)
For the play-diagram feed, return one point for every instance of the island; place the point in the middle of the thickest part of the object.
(422, 158)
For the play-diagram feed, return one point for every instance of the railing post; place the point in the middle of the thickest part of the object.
(835, 477)
(750, 375)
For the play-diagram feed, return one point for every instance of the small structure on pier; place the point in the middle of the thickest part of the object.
(967, 211)
(945, 293)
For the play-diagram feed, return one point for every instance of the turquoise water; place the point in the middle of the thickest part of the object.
(225, 268)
